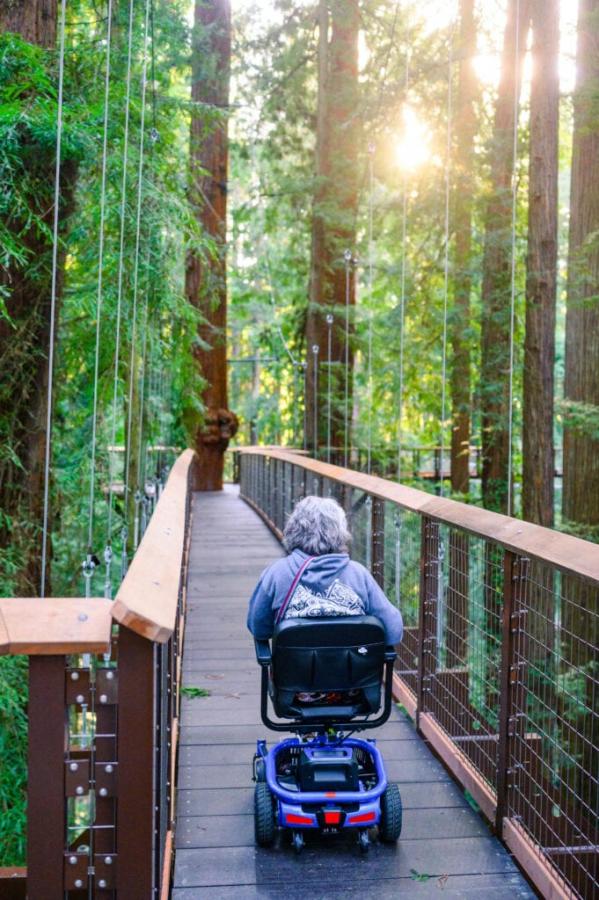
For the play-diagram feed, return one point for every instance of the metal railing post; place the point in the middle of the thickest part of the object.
(377, 538)
(136, 736)
(429, 573)
(510, 677)
(46, 810)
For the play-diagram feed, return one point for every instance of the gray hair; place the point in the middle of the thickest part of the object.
(317, 525)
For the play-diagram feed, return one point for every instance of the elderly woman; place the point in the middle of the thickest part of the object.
(318, 578)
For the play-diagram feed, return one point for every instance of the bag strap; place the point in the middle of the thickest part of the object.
(283, 607)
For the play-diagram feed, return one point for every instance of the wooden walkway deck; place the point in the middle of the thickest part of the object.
(445, 850)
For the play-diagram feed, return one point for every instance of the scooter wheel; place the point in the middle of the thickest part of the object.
(259, 770)
(391, 815)
(264, 816)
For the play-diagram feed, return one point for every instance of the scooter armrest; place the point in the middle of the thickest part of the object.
(263, 652)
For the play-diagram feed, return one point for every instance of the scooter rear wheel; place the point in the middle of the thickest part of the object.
(391, 815)
(264, 816)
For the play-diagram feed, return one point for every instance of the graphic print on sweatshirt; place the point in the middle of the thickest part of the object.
(339, 600)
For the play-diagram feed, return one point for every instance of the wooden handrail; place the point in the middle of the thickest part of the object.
(146, 601)
(54, 626)
(565, 552)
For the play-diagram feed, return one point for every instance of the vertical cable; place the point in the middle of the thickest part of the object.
(329, 354)
(402, 291)
(347, 256)
(371, 149)
(446, 258)
(315, 349)
(513, 262)
(136, 254)
(108, 556)
(99, 293)
(53, 299)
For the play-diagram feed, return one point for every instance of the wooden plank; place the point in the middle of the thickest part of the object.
(54, 626)
(459, 765)
(147, 599)
(570, 554)
(173, 767)
(402, 694)
(538, 868)
(167, 865)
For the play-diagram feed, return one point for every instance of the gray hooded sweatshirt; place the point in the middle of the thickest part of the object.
(331, 585)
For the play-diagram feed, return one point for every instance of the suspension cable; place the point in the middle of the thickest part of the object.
(136, 255)
(53, 298)
(513, 249)
(348, 258)
(446, 256)
(371, 150)
(121, 267)
(99, 296)
(402, 292)
(119, 304)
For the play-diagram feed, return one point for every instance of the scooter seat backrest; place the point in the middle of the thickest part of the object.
(328, 654)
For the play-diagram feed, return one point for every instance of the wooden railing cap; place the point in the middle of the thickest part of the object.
(54, 626)
(147, 599)
(565, 552)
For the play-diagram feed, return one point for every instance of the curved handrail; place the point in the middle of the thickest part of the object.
(147, 599)
(570, 554)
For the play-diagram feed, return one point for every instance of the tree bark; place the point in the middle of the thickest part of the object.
(541, 275)
(495, 325)
(24, 340)
(581, 450)
(34, 20)
(334, 213)
(465, 127)
(206, 279)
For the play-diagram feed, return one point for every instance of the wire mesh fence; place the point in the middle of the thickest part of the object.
(499, 659)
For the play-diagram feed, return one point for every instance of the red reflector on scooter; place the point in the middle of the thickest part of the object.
(293, 819)
(363, 817)
(332, 817)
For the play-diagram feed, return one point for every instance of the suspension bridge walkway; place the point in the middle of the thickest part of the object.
(143, 711)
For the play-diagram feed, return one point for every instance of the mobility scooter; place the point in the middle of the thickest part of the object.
(324, 678)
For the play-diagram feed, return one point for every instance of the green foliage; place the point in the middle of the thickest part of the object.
(194, 692)
(13, 753)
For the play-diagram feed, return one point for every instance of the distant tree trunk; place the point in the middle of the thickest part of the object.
(541, 275)
(495, 333)
(334, 208)
(205, 280)
(34, 20)
(581, 449)
(465, 128)
(24, 343)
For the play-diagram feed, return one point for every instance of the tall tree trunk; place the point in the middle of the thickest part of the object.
(24, 340)
(206, 279)
(34, 20)
(465, 127)
(334, 210)
(580, 606)
(495, 333)
(581, 448)
(541, 275)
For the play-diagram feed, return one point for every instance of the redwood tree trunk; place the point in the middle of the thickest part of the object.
(205, 279)
(24, 341)
(334, 214)
(539, 345)
(465, 128)
(495, 333)
(581, 448)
